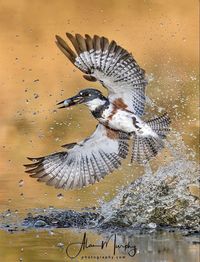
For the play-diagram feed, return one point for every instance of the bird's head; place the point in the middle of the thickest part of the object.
(93, 98)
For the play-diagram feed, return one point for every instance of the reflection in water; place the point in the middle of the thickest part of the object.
(50, 245)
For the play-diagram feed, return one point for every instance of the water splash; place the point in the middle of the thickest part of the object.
(164, 198)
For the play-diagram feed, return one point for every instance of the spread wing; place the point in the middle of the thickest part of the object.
(110, 64)
(83, 163)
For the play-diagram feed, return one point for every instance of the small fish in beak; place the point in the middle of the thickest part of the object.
(71, 101)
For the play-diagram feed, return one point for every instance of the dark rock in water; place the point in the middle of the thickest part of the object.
(62, 219)
(162, 199)
(40, 223)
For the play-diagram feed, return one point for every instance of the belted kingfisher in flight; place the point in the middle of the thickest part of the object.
(119, 117)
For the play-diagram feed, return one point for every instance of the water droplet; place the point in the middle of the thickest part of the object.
(36, 95)
(21, 183)
(60, 196)
(8, 213)
(30, 215)
(51, 233)
(61, 245)
(193, 78)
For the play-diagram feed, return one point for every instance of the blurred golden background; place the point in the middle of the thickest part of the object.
(34, 75)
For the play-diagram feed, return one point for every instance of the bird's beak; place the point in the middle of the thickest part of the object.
(71, 101)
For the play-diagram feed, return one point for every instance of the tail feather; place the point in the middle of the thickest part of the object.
(144, 148)
(160, 125)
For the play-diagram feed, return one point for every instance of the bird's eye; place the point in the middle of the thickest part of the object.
(86, 94)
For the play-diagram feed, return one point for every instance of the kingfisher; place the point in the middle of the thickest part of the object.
(119, 116)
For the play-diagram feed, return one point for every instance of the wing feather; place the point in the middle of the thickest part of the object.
(83, 163)
(110, 64)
